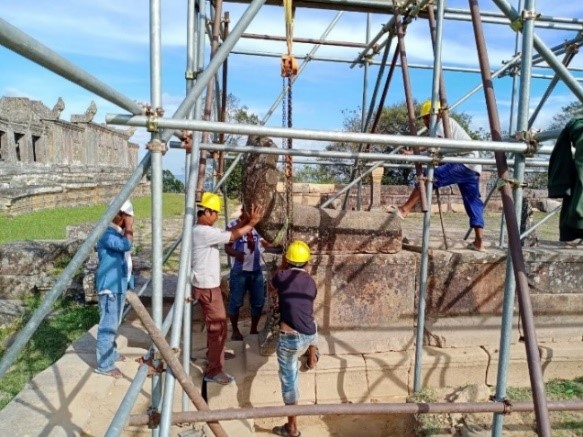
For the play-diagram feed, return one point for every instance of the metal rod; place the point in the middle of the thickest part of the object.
(537, 224)
(301, 68)
(125, 408)
(208, 74)
(23, 44)
(65, 278)
(172, 361)
(304, 40)
(307, 134)
(358, 409)
(515, 249)
(545, 53)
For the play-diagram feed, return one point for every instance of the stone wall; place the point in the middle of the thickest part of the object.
(47, 162)
(451, 200)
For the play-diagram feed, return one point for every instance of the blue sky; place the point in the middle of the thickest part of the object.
(109, 39)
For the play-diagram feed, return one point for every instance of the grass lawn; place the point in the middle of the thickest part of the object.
(67, 323)
(51, 224)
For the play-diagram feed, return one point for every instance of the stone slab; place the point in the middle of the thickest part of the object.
(388, 375)
(341, 379)
(453, 367)
(562, 360)
(361, 291)
(517, 373)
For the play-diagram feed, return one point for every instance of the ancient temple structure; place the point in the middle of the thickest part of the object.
(46, 161)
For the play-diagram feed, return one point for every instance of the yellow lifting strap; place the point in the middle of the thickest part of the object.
(289, 64)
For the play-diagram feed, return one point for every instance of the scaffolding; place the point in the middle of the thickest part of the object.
(193, 117)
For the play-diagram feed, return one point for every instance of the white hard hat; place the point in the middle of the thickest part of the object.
(127, 208)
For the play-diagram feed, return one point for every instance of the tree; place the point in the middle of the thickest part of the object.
(237, 114)
(169, 182)
(572, 110)
(393, 121)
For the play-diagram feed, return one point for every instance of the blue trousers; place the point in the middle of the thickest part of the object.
(110, 311)
(290, 347)
(239, 282)
(468, 182)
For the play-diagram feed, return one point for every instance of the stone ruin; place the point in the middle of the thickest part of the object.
(47, 162)
(368, 281)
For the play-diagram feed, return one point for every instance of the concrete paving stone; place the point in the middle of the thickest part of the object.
(517, 375)
(453, 367)
(562, 360)
(388, 374)
(463, 331)
(341, 378)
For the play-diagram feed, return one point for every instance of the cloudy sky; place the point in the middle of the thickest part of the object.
(109, 39)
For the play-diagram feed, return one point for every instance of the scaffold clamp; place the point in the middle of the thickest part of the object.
(157, 146)
(501, 183)
(529, 138)
(153, 418)
(152, 369)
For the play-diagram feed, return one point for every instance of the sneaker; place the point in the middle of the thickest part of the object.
(220, 378)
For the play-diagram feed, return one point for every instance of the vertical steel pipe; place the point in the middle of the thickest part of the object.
(156, 147)
(518, 265)
(424, 262)
(124, 410)
(208, 74)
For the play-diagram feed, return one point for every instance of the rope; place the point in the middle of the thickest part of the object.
(289, 13)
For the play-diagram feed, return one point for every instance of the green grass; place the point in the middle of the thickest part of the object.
(68, 322)
(557, 389)
(51, 224)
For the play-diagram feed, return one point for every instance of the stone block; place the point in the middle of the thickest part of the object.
(517, 375)
(393, 336)
(562, 360)
(341, 379)
(322, 188)
(363, 291)
(453, 367)
(465, 282)
(466, 331)
(388, 375)
(558, 328)
(554, 271)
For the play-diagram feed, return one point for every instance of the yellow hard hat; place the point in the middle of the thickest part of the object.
(426, 108)
(211, 201)
(298, 252)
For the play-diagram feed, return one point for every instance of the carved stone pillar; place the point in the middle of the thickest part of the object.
(376, 178)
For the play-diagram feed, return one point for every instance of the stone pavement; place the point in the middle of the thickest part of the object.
(70, 399)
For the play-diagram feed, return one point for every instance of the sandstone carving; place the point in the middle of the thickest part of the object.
(325, 230)
(58, 108)
(88, 116)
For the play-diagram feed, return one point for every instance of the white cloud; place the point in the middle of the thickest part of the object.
(109, 39)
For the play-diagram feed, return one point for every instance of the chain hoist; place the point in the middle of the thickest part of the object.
(289, 68)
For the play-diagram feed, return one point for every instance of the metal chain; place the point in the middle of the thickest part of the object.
(289, 164)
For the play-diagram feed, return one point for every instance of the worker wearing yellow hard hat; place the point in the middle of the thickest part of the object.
(298, 335)
(466, 176)
(206, 277)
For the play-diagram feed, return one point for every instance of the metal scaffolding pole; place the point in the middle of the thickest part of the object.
(358, 409)
(156, 148)
(311, 134)
(19, 42)
(545, 53)
(515, 249)
(424, 262)
(65, 278)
